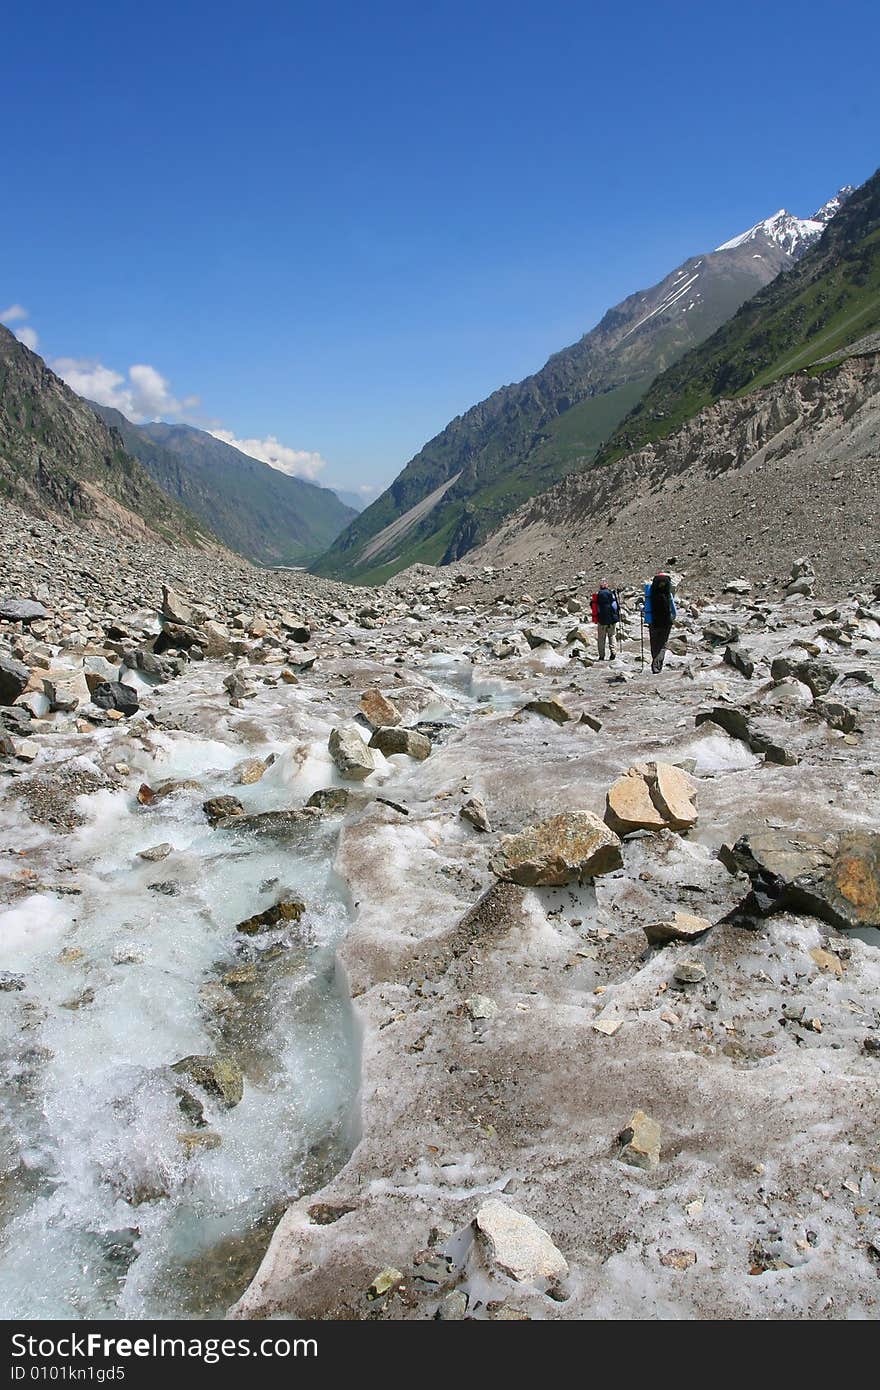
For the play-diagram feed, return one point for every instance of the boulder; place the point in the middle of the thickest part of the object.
(178, 636)
(572, 846)
(219, 1076)
(817, 675)
(288, 908)
(14, 677)
(735, 722)
(397, 740)
(833, 877)
(543, 637)
(330, 799)
(516, 1245)
(115, 695)
(836, 715)
(379, 710)
(739, 659)
(350, 754)
(216, 640)
(65, 692)
(678, 926)
(175, 607)
(720, 633)
(218, 808)
(550, 708)
(21, 610)
(651, 796)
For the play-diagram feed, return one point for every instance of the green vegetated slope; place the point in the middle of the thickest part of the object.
(830, 298)
(524, 437)
(263, 514)
(57, 457)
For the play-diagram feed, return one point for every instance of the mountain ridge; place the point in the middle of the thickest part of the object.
(261, 513)
(524, 436)
(58, 458)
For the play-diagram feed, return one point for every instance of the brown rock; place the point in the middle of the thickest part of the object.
(287, 909)
(651, 796)
(574, 845)
(550, 708)
(679, 926)
(380, 711)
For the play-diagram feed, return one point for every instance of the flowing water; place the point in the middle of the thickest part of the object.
(124, 1190)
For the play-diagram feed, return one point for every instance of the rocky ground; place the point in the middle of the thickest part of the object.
(585, 959)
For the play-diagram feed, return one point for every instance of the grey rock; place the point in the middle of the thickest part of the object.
(14, 676)
(21, 610)
(397, 740)
(350, 754)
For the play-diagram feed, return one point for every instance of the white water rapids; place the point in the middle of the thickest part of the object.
(106, 1211)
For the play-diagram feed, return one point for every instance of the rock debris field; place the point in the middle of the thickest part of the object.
(383, 954)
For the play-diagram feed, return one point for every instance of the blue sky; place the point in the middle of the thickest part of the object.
(338, 226)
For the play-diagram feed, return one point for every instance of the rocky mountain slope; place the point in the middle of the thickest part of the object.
(751, 482)
(828, 299)
(57, 457)
(460, 486)
(263, 514)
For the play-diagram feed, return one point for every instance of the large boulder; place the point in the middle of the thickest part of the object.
(350, 754)
(737, 657)
(818, 675)
(572, 846)
(736, 723)
(651, 796)
(14, 677)
(833, 877)
(21, 610)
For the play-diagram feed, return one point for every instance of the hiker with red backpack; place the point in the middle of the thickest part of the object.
(605, 612)
(659, 615)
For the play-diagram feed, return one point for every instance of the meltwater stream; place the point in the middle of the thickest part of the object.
(121, 1195)
(118, 1197)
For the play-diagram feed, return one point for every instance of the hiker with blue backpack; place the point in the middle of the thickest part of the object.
(605, 612)
(659, 615)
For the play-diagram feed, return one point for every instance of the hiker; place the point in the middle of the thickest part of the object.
(659, 615)
(605, 612)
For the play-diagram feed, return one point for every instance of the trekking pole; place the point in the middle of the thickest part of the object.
(642, 626)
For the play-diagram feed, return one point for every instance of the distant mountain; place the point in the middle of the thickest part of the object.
(762, 442)
(263, 514)
(830, 298)
(524, 437)
(57, 458)
(350, 499)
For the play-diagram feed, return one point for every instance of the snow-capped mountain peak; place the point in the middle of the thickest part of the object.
(792, 234)
(827, 210)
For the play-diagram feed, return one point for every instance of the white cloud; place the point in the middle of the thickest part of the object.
(14, 314)
(297, 463)
(144, 394)
(28, 336)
